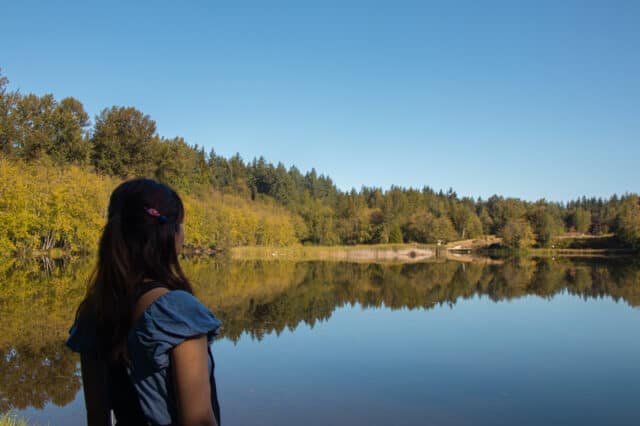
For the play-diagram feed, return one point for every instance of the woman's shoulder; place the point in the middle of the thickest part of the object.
(169, 320)
(177, 306)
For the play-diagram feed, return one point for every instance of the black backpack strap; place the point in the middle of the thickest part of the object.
(146, 286)
(124, 398)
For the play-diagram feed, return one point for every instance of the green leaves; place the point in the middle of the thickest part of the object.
(628, 221)
(517, 233)
(124, 143)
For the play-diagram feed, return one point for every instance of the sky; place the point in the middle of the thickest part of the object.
(536, 99)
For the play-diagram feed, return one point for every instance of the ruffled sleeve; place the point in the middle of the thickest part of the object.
(82, 336)
(171, 319)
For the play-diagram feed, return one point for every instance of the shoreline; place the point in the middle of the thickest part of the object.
(401, 253)
(409, 253)
(406, 253)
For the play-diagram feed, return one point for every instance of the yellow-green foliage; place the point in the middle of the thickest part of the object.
(222, 220)
(9, 420)
(43, 206)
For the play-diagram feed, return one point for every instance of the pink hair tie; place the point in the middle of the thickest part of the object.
(152, 212)
(155, 213)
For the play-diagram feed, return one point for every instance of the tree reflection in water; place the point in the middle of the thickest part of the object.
(33, 378)
(259, 297)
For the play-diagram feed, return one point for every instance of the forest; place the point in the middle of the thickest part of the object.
(57, 168)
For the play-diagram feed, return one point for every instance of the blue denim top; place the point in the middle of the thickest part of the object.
(168, 321)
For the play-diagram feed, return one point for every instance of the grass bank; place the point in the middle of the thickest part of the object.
(364, 253)
(478, 250)
(566, 245)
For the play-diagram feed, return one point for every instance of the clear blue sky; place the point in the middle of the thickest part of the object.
(527, 99)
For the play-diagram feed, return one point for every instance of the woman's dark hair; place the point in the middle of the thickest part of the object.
(137, 243)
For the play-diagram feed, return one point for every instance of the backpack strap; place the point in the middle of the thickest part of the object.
(140, 305)
(124, 398)
(146, 286)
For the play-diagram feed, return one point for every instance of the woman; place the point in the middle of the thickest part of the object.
(142, 335)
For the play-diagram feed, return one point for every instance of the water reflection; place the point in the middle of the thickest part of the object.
(31, 377)
(257, 298)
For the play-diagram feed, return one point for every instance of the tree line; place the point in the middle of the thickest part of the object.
(123, 142)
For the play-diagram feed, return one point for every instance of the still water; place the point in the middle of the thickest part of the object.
(495, 342)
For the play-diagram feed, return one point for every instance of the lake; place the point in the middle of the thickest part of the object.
(521, 341)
